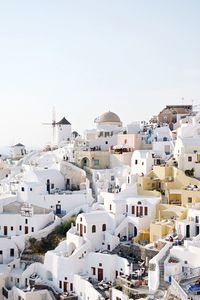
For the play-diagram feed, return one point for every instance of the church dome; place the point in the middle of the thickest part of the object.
(108, 118)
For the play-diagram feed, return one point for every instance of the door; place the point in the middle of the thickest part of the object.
(68, 184)
(65, 286)
(81, 229)
(137, 211)
(48, 186)
(187, 231)
(135, 231)
(58, 209)
(100, 274)
(1, 256)
(5, 230)
(26, 229)
(197, 230)
(167, 149)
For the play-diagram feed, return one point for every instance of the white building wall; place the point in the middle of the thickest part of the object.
(6, 254)
(13, 222)
(68, 201)
(109, 263)
(141, 162)
(118, 294)
(85, 290)
(63, 133)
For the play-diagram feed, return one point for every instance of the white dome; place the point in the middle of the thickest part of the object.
(108, 117)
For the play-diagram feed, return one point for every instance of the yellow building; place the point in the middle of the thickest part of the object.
(164, 223)
(176, 188)
(159, 229)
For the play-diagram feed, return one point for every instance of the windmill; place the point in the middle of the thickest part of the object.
(53, 124)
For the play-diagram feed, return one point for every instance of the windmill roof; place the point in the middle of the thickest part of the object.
(63, 122)
(19, 145)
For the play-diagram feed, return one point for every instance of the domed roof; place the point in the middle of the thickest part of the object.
(108, 117)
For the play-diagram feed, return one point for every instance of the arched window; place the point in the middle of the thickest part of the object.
(93, 228)
(139, 203)
(104, 227)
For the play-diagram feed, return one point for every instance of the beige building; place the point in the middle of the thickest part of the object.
(93, 159)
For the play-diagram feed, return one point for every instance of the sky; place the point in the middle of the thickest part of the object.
(85, 57)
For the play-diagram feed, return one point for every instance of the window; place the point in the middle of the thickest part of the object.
(32, 229)
(60, 284)
(31, 189)
(112, 178)
(108, 247)
(127, 208)
(96, 162)
(26, 221)
(142, 163)
(189, 199)
(104, 227)
(52, 186)
(93, 228)
(22, 189)
(136, 162)
(146, 211)
(117, 298)
(77, 226)
(93, 271)
(11, 228)
(133, 210)
(71, 286)
(20, 227)
(12, 251)
(189, 158)
(197, 219)
(84, 229)
(100, 265)
(1, 252)
(81, 219)
(110, 206)
(106, 142)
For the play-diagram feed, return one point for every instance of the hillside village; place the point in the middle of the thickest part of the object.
(112, 214)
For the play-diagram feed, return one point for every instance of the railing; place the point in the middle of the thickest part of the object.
(188, 274)
(178, 289)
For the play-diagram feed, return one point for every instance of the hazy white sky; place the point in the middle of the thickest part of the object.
(86, 57)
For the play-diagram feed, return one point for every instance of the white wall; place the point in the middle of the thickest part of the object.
(63, 132)
(15, 220)
(85, 290)
(5, 246)
(109, 263)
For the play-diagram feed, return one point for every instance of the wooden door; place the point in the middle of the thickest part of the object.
(100, 274)
(81, 229)
(65, 287)
(26, 229)
(5, 230)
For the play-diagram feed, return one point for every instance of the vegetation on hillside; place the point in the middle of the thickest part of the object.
(52, 240)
